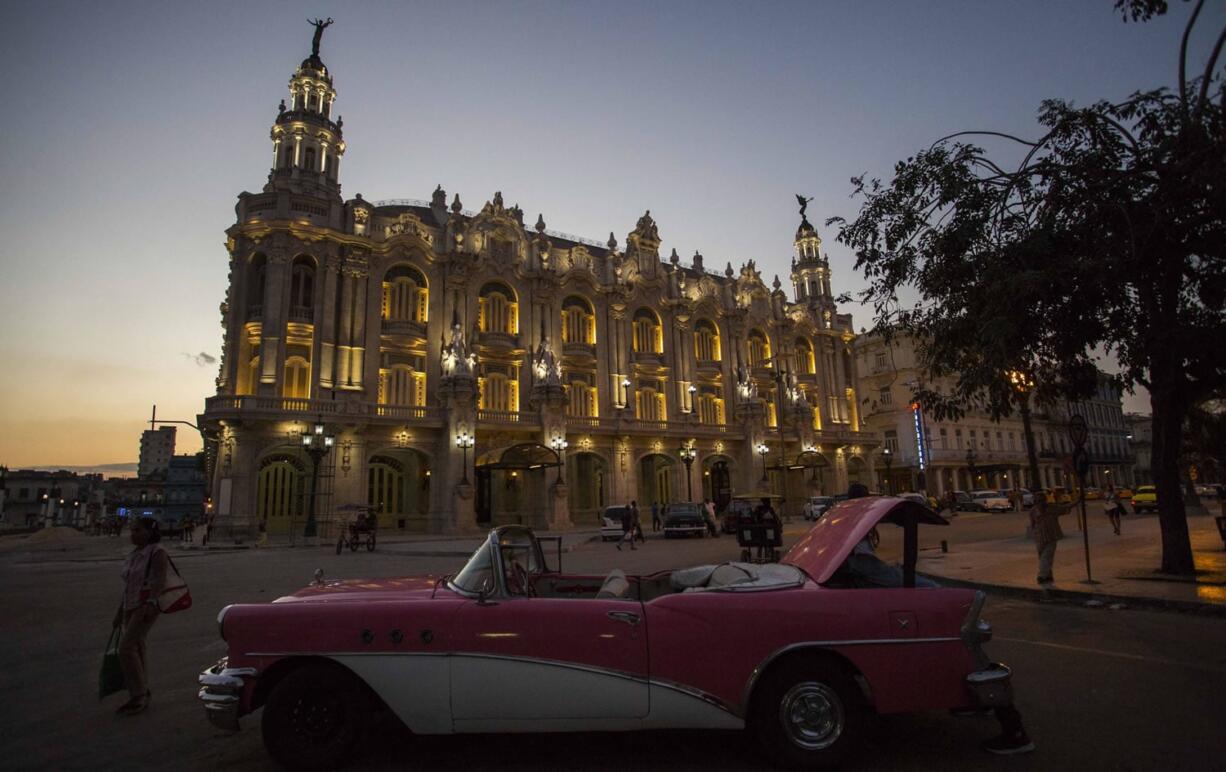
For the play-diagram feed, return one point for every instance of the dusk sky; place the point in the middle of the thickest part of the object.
(131, 127)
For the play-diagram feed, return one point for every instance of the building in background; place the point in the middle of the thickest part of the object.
(1141, 441)
(157, 446)
(474, 371)
(35, 498)
(976, 452)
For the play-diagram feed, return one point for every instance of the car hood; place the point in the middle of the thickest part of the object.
(366, 589)
(821, 551)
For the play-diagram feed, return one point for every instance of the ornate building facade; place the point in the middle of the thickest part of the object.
(582, 374)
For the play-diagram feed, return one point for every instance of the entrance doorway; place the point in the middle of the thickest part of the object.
(398, 487)
(656, 480)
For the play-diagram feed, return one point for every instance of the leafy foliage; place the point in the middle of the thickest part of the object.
(1107, 236)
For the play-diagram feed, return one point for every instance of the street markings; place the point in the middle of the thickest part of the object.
(1116, 654)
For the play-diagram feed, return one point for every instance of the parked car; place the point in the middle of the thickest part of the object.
(1209, 491)
(803, 659)
(1124, 492)
(816, 506)
(1145, 499)
(684, 519)
(611, 523)
(1093, 493)
(964, 502)
(918, 498)
(1059, 495)
(992, 501)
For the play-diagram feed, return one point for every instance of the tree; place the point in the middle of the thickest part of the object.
(1106, 237)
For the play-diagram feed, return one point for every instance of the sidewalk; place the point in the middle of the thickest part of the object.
(1124, 567)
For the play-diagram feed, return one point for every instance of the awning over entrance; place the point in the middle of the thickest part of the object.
(526, 455)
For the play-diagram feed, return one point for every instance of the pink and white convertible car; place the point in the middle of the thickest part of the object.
(804, 655)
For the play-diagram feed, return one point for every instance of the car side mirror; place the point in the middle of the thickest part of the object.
(483, 594)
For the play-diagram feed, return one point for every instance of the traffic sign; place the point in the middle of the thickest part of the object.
(1081, 462)
(1078, 431)
(1193, 473)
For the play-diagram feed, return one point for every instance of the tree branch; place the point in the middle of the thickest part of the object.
(983, 133)
(1208, 75)
(1183, 58)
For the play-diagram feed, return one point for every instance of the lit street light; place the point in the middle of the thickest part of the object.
(464, 441)
(762, 451)
(687, 454)
(559, 445)
(888, 456)
(317, 444)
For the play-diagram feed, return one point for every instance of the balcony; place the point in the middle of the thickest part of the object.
(403, 327)
(580, 350)
(290, 408)
(301, 314)
(505, 417)
(651, 358)
(498, 340)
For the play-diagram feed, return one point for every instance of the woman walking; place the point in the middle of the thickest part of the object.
(144, 577)
(1115, 508)
(1045, 524)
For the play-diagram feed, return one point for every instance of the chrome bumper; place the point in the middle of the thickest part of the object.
(221, 688)
(993, 686)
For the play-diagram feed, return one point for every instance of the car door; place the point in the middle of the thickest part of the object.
(526, 663)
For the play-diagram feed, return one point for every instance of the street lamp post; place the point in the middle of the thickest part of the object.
(559, 445)
(970, 465)
(762, 451)
(625, 393)
(687, 455)
(1022, 384)
(317, 444)
(464, 441)
(888, 456)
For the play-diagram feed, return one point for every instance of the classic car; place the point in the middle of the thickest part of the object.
(611, 523)
(1145, 498)
(992, 501)
(964, 502)
(513, 644)
(684, 519)
(816, 506)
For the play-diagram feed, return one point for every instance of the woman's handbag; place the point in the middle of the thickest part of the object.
(175, 596)
(110, 675)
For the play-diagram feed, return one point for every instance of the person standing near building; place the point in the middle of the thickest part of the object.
(1045, 525)
(630, 519)
(144, 577)
(655, 516)
(1115, 508)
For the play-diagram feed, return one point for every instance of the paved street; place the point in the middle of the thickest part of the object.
(1099, 688)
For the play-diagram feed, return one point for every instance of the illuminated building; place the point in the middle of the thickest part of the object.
(403, 326)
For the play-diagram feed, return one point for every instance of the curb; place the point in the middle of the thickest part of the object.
(1079, 598)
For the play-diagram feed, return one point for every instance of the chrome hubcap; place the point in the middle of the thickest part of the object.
(812, 715)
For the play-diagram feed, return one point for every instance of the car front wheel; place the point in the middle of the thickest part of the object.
(313, 718)
(807, 714)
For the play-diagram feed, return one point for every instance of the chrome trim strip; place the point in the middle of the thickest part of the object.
(757, 671)
(699, 694)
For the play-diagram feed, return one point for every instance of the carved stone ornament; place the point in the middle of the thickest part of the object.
(361, 216)
(646, 228)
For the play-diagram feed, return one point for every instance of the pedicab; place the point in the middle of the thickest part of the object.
(757, 527)
(360, 531)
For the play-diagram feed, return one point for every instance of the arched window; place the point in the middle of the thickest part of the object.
(759, 349)
(578, 321)
(649, 404)
(648, 334)
(250, 378)
(308, 161)
(498, 392)
(287, 156)
(582, 399)
(710, 407)
(256, 271)
(297, 381)
(805, 363)
(706, 341)
(406, 298)
(302, 290)
(498, 310)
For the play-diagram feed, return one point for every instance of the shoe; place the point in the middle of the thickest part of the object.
(1008, 745)
(135, 705)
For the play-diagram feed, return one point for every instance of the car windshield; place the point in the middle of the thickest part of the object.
(683, 509)
(1146, 489)
(615, 513)
(478, 574)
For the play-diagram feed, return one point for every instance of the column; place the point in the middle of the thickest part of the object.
(325, 325)
(345, 327)
(358, 338)
(273, 326)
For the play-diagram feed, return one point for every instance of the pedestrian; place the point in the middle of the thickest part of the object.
(709, 512)
(630, 517)
(144, 577)
(655, 516)
(1045, 525)
(263, 528)
(1115, 508)
(208, 531)
(189, 530)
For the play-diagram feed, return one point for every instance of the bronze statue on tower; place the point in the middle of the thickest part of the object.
(319, 26)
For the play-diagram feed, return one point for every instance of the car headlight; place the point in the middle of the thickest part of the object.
(221, 621)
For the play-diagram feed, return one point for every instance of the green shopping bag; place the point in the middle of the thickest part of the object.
(110, 676)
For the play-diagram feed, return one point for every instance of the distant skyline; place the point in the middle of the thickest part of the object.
(131, 127)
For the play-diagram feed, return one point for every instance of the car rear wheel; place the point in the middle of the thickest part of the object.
(807, 714)
(314, 717)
